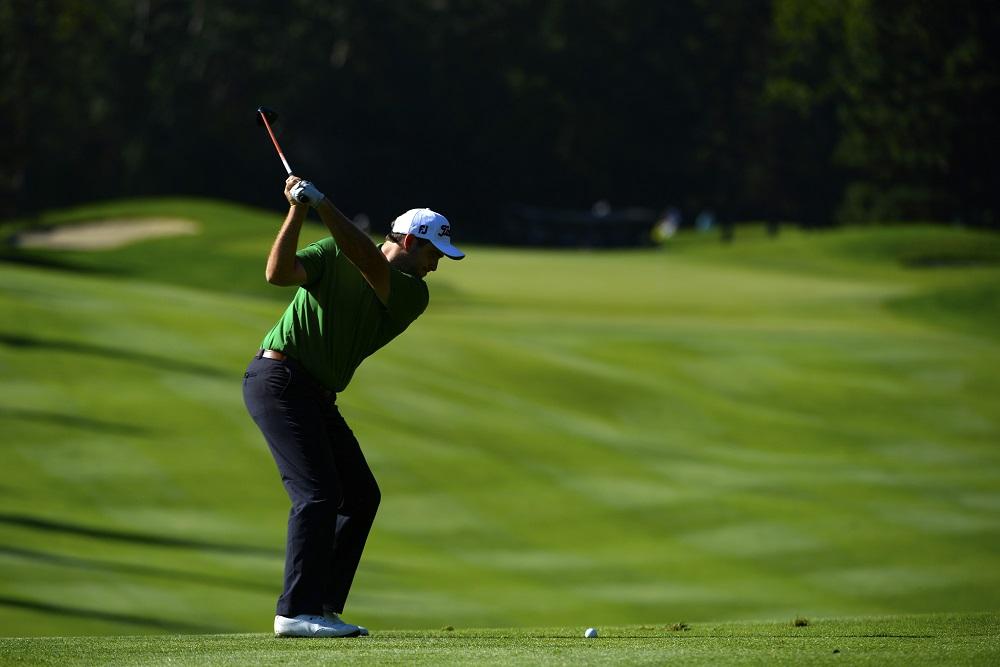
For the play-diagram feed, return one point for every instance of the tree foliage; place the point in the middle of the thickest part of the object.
(767, 109)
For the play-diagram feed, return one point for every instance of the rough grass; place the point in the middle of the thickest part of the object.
(970, 639)
(801, 426)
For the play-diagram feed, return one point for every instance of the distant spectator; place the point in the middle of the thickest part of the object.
(705, 221)
(601, 208)
(363, 222)
(667, 225)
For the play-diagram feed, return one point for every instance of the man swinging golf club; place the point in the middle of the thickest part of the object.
(353, 298)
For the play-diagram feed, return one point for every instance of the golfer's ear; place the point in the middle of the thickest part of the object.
(409, 242)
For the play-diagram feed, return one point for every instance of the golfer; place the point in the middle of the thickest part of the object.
(353, 298)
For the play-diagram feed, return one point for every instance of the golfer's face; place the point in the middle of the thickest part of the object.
(425, 259)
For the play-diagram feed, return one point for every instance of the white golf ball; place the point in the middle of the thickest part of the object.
(590, 633)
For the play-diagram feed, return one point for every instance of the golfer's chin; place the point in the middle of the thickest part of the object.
(416, 270)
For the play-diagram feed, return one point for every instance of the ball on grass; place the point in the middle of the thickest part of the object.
(590, 633)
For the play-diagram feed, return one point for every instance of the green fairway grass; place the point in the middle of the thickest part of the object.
(941, 639)
(805, 425)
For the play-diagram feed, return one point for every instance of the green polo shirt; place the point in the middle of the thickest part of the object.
(335, 320)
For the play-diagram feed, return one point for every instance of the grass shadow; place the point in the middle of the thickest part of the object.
(106, 616)
(115, 354)
(72, 421)
(127, 537)
(19, 258)
(97, 565)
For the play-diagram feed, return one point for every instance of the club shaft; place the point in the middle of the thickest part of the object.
(285, 162)
(276, 146)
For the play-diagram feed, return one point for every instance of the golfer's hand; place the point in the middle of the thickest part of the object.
(290, 183)
(301, 192)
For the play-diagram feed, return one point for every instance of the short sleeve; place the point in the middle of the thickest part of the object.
(313, 259)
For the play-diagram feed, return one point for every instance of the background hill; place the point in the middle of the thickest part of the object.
(801, 425)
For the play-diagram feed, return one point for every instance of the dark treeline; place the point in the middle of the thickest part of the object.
(782, 110)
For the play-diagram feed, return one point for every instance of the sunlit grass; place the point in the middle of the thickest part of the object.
(804, 425)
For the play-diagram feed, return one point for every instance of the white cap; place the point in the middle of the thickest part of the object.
(426, 224)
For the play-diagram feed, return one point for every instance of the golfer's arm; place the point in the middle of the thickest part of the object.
(357, 246)
(283, 267)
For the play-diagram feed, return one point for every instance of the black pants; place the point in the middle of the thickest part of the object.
(333, 492)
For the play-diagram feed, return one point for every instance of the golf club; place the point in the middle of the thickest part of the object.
(264, 117)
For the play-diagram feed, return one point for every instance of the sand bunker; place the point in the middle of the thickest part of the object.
(104, 235)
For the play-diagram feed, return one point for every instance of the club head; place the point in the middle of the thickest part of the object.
(263, 112)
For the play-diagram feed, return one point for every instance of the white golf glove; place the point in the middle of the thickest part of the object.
(305, 192)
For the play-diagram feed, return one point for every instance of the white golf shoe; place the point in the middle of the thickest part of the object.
(335, 617)
(307, 625)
